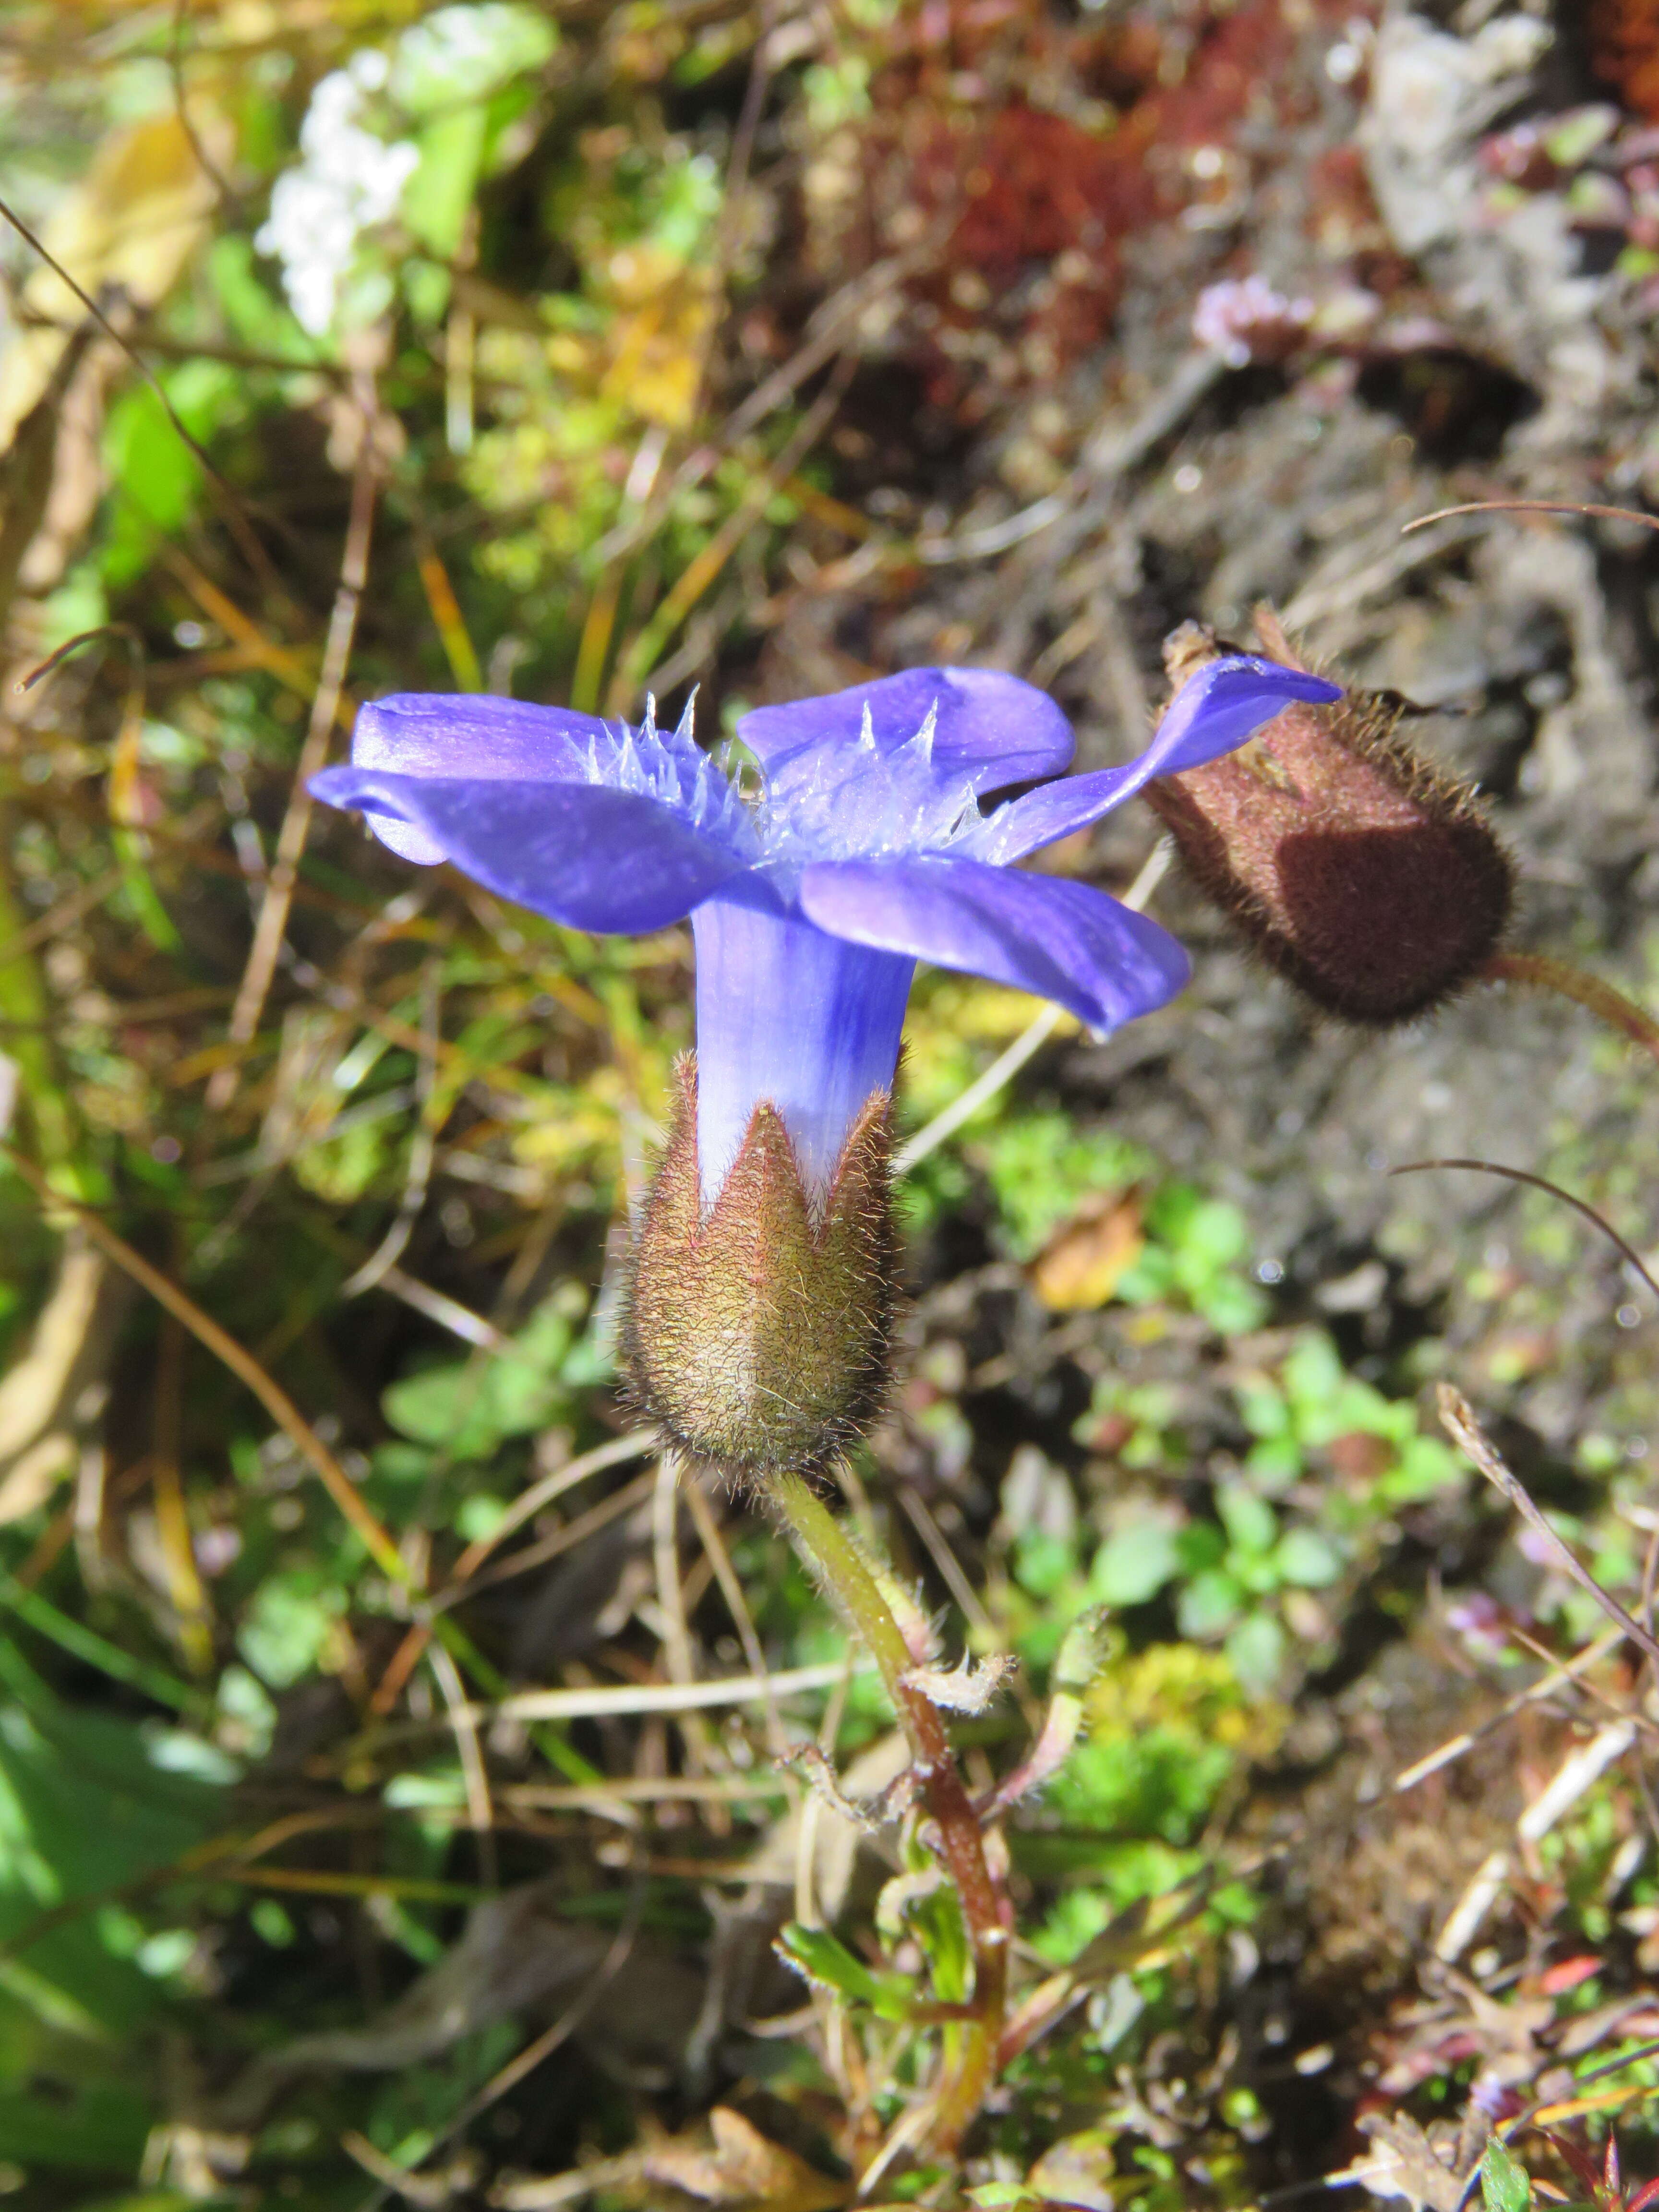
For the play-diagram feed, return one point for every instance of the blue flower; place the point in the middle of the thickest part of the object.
(870, 845)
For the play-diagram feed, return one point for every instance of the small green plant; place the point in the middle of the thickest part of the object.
(1332, 1460)
(1506, 2185)
(469, 1408)
(1307, 1411)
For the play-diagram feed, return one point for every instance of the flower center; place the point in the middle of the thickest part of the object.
(836, 803)
(671, 767)
(860, 803)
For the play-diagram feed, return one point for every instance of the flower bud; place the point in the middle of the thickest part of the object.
(759, 1329)
(1368, 878)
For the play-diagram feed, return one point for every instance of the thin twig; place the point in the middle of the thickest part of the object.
(289, 667)
(939, 1552)
(247, 1370)
(963, 1109)
(1619, 1012)
(1531, 1645)
(1534, 506)
(729, 228)
(671, 1697)
(422, 1149)
(205, 160)
(480, 1812)
(67, 912)
(272, 924)
(533, 2054)
(184, 1586)
(1457, 1418)
(638, 660)
(670, 1600)
(225, 492)
(430, 2192)
(1576, 1774)
(544, 2193)
(449, 1313)
(646, 1789)
(1457, 1746)
(715, 1551)
(552, 1545)
(811, 1808)
(1632, 1257)
(524, 1508)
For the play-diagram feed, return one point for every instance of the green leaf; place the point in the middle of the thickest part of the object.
(92, 1650)
(1210, 1603)
(1044, 1563)
(1262, 1410)
(1577, 134)
(1135, 1564)
(1216, 1235)
(1312, 1374)
(939, 1928)
(257, 316)
(470, 1410)
(1200, 1546)
(160, 2200)
(1426, 1466)
(159, 478)
(438, 196)
(84, 1813)
(289, 1624)
(1232, 1305)
(96, 2130)
(1248, 1520)
(1505, 2183)
(1276, 1461)
(459, 55)
(1082, 1654)
(826, 1962)
(1307, 1560)
(1257, 1648)
(1041, 1167)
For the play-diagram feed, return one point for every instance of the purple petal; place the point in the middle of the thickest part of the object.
(473, 734)
(1225, 702)
(1061, 940)
(991, 730)
(786, 1013)
(463, 734)
(583, 855)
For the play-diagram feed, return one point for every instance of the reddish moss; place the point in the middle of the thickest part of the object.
(1359, 871)
(1624, 43)
(1035, 194)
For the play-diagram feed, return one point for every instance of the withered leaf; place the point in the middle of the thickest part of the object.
(742, 2168)
(1083, 1263)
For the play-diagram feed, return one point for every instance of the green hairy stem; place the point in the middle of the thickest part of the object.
(970, 2048)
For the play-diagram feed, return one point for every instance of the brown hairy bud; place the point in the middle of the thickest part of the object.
(1367, 878)
(758, 1332)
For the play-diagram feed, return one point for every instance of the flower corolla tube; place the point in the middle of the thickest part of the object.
(762, 1291)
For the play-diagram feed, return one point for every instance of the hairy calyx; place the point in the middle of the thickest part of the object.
(759, 1327)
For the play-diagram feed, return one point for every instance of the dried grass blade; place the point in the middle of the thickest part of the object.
(1632, 1257)
(272, 925)
(247, 1370)
(1457, 1417)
